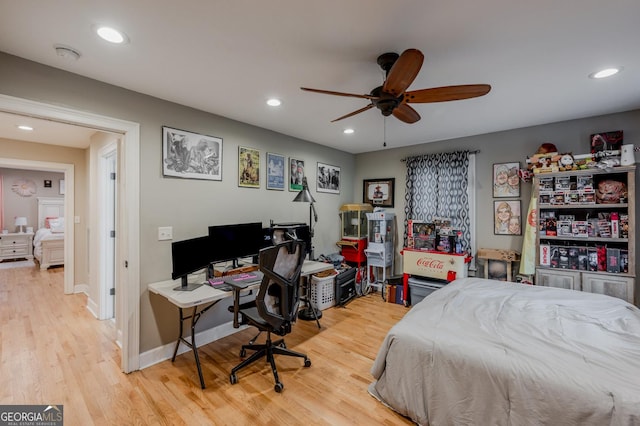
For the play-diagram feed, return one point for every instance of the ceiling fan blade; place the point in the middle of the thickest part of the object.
(403, 72)
(405, 113)
(353, 113)
(446, 93)
(329, 92)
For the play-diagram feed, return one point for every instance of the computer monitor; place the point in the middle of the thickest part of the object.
(187, 257)
(232, 242)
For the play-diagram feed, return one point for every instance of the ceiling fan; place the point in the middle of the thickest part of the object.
(392, 97)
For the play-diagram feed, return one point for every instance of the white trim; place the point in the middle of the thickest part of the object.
(128, 300)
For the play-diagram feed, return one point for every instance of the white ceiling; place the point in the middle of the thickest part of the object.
(228, 57)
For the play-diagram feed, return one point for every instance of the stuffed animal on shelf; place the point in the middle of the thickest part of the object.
(566, 162)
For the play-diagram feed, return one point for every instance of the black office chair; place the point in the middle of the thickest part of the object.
(276, 305)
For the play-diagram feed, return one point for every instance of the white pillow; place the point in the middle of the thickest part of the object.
(56, 225)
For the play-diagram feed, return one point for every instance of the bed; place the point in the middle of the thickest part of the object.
(484, 352)
(48, 241)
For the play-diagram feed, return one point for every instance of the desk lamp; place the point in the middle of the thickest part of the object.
(305, 196)
(21, 221)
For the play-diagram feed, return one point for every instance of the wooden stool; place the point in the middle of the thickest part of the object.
(507, 256)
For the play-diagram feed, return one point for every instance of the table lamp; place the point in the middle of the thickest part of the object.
(21, 221)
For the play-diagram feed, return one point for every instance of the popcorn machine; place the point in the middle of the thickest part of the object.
(379, 251)
(353, 238)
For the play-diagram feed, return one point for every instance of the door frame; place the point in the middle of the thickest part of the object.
(128, 215)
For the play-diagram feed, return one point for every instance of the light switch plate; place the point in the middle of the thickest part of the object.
(165, 233)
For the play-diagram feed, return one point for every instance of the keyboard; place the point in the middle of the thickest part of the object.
(244, 279)
(219, 284)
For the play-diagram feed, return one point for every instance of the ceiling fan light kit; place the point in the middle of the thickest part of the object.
(392, 98)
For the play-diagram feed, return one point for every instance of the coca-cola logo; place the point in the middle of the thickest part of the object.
(427, 262)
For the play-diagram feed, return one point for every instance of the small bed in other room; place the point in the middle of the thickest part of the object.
(48, 242)
(483, 352)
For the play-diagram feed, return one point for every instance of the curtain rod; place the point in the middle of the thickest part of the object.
(405, 159)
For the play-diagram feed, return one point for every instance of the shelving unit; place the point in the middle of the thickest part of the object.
(592, 247)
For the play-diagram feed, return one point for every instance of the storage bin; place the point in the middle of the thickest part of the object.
(421, 288)
(323, 293)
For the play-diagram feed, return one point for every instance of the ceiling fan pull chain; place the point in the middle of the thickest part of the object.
(384, 131)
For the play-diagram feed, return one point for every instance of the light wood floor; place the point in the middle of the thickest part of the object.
(53, 351)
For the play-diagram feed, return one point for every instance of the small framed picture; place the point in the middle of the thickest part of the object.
(378, 192)
(191, 155)
(328, 178)
(507, 217)
(47, 183)
(275, 171)
(506, 182)
(248, 167)
(296, 173)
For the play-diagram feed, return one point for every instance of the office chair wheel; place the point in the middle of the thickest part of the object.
(233, 379)
(243, 353)
(307, 362)
(278, 387)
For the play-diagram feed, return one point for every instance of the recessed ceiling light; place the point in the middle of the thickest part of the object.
(274, 102)
(348, 131)
(25, 127)
(111, 34)
(608, 72)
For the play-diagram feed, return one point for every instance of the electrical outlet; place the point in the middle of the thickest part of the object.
(165, 233)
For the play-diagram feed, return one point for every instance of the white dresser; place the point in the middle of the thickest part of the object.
(16, 246)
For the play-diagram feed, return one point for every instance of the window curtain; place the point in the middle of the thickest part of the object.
(438, 186)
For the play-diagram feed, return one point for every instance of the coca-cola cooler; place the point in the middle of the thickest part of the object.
(425, 271)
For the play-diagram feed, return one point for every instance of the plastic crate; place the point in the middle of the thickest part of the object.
(323, 293)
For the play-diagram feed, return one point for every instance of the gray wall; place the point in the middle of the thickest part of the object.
(502, 147)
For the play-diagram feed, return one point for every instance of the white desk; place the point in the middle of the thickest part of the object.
(205, 297)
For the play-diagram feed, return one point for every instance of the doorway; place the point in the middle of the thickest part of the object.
(127, 220)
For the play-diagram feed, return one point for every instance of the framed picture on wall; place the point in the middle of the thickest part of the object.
(378, 192)
(191, 155)
(248, 167)
(275, 171)
(506, 182)
(296, 173)
(507, 217)
(328, 178)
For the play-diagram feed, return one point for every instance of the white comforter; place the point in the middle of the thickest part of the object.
(481, 352)
(41, 235)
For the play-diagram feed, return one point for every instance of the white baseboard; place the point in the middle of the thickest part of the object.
(205, 337)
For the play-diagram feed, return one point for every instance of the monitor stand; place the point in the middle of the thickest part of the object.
(186, 286)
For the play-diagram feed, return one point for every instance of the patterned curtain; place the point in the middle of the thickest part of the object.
(437, 187)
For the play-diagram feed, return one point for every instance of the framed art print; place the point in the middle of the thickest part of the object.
(275, 171)
(378, 192)
(328, 178)
(248, 167)
(506, 182)
(296, 173)
(191, 155)
(507, 217)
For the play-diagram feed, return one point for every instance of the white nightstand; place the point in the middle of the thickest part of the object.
(16, 246)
